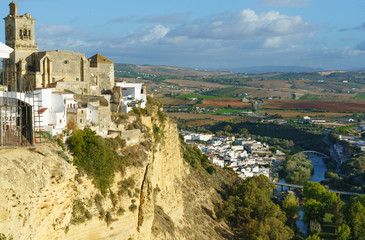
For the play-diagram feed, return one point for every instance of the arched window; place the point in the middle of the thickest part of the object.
(20, 32)
(25, 32)
(29, 34)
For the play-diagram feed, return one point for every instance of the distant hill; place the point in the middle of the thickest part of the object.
(238, 78)
(275, 69)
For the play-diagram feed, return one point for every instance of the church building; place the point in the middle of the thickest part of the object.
(27, 69)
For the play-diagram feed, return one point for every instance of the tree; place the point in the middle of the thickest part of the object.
(343, 232)
(291, 208)
(297, 168)
(313, 210)
(251, 213)
(355, 216)
(330, 200)
(313, 237)
(315, 227)
(227, 128)
(313, 190)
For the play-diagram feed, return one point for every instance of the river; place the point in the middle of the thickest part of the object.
(318, 175)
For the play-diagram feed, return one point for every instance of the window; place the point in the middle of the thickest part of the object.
(53, 80)
(60, 120)
(80, 120)
(65, 62)
(20, 33)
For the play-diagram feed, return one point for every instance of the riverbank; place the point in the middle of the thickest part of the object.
(319, 171)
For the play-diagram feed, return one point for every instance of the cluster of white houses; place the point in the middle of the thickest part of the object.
(247, 157)
(55, 111)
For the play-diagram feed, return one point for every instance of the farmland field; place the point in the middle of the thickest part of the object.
(235, 103)
(293, 114)
(361, 96)
(199, 96)
(326, 106)
(201, 116)
(190, 83)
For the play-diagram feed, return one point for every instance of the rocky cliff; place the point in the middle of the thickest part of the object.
(158, 197)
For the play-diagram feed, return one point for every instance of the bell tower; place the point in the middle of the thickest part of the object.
(19, 35)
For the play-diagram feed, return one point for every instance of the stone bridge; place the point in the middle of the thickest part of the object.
(316, 153)
(294, 186)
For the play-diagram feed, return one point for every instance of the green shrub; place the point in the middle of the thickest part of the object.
(210, 169)
(79, 212)
(97, 157)
(120, 211)
(157, 133)
(108, 218)
(47, 135)
(113, 197)
(133, 207)
(60, 143)
(125, 185)
(63, 154)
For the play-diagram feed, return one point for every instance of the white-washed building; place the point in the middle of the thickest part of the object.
(126, 96)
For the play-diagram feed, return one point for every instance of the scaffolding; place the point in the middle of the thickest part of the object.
(16, 125)
(37, 108)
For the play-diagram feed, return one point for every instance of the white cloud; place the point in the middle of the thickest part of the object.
(344, 52)
(155, 33)
(290, 3)
(271, 28)
(54, 30)
(273, 42)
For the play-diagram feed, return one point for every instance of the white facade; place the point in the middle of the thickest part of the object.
(51, 107)
(132, 95)
(5, 50)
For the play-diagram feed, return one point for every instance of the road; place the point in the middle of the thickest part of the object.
(333, 153)
(257, 104)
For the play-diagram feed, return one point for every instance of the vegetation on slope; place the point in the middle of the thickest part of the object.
(251, 214)
(196, 158)
(97, 157)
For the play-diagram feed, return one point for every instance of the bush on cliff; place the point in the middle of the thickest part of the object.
(96, 156)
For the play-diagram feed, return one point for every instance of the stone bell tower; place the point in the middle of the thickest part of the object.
(19, 35)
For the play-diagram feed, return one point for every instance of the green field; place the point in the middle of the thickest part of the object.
(362, 96)
(310, 97)
(229, 92)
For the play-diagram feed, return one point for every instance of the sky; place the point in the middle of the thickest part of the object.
(204, 34)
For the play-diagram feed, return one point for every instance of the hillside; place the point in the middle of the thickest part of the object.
(158, 196)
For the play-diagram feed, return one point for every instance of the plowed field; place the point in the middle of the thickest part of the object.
(338, 107)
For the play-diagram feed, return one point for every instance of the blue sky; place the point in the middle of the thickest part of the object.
(214, 34)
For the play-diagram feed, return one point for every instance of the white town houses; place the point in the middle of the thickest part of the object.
(247, 157)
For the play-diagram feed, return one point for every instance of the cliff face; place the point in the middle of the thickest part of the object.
(159, 198)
